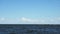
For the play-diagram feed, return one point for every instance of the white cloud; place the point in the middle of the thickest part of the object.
(28, 20)
(2, 19)
(43, 21)
(24, 20)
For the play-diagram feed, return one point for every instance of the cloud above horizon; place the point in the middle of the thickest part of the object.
(24, 20)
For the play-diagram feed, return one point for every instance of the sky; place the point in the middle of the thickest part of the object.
(29, 11)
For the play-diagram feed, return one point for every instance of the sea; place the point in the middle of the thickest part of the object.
(29, 29)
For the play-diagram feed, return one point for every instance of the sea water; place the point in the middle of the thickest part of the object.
(29, 29)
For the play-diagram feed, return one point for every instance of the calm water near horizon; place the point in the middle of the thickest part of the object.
(29, 29)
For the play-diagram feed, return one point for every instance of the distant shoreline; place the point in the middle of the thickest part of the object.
(30, 24)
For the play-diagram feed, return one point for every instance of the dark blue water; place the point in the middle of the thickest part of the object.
(29, 29)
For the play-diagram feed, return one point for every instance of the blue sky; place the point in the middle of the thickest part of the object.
(29, 10)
